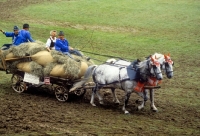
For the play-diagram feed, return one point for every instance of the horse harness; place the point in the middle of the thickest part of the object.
(132, 67)
(167, 62)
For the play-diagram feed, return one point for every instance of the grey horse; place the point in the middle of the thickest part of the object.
(166, 66)
(114, 76)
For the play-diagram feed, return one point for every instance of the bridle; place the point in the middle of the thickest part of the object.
(168, 62)
(155, 64)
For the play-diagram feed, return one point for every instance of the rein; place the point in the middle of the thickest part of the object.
(149, 70)
(167, 65)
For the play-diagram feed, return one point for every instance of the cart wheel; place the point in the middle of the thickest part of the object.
(17, 83)
(61, 93)
(80, 92)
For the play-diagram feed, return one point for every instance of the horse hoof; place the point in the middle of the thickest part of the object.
(139, 108)
(154, 110)
(102, 103)
(93, 104)
(126, 113)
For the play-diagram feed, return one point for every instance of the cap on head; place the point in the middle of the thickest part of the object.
(16, 28)
(26, 26)
(61, 33)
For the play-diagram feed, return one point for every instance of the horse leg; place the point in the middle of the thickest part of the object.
(126, 99)
(145, 98)
(95, 91)
(92, 96)
(99, 96)
(141, 106)
(115, 99)
(153, 107)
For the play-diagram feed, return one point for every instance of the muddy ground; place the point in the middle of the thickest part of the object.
(37, 112)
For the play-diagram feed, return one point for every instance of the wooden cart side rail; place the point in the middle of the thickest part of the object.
(4, 63)
(17, 58)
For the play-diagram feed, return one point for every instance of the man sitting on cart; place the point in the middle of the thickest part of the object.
(26, 35)
(16, 38)
(62, 45)
(50, 44)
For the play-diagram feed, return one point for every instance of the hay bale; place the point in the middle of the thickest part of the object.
(46, 63)
(31, 67)
(30, 48)
(48, 68)
(23, 49)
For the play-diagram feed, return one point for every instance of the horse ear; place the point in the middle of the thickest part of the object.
(156, 57)
(165, 56)
(168, 54)
(152, 58)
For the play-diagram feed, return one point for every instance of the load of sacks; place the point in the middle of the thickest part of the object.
(43, 63)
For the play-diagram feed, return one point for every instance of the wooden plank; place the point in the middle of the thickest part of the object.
(4, 63)
(152, 87)
(10, 59)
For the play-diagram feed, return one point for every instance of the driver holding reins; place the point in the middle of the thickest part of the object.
(16, 38)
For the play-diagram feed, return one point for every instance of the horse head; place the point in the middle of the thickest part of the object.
(155, 68)
(168, 66)
(150, 67)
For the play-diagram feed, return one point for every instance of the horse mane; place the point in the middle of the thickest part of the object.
(142, 64)
(157, 55)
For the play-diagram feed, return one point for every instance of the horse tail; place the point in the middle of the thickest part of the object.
(86, 77)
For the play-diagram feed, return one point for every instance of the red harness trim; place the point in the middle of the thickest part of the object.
(151, 82)
(139, 87)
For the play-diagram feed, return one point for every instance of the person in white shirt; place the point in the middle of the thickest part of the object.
(50, 44)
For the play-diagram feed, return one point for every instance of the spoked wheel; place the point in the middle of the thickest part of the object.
(61, 93)
(17, 83)
(80, 92)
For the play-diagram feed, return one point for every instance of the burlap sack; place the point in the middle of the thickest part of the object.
(83, 69)
(24, 66)
(10, 55)
(59, 71)
(42, 58)
(31, 67)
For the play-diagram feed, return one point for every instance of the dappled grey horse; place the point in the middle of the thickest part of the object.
(122, 77)
(166, 65)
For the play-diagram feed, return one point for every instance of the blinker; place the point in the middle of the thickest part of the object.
(156, 63)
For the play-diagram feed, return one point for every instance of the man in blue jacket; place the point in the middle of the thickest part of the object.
(26, 36)
(16, 38)
(62, 44)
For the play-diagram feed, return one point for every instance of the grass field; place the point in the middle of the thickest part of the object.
(127, 29)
